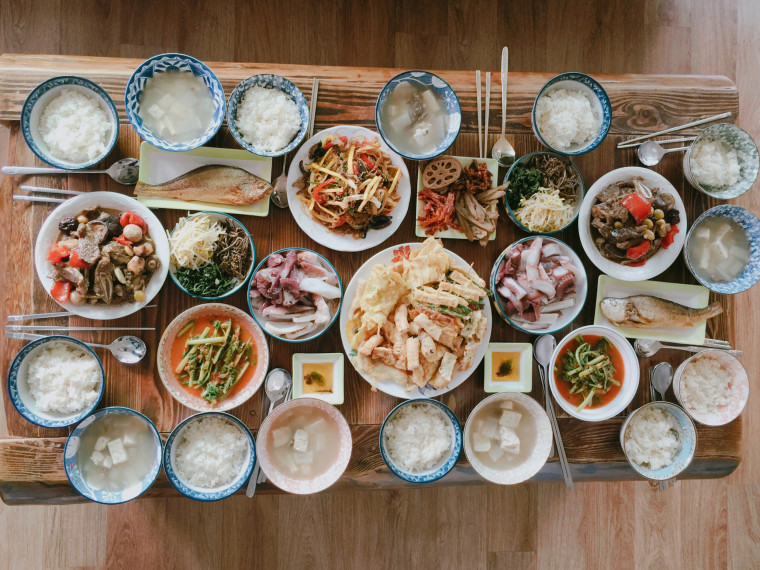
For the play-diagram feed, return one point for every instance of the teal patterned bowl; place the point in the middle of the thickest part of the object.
(746, 149)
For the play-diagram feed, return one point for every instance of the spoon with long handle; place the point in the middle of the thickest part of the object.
(262, 475)
(124, 171)
(280, 190)
(503, 151)
(126, 349)
(661, 378)
(647, 348)
(651, 152)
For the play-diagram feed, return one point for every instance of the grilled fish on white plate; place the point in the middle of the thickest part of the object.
(644, 311)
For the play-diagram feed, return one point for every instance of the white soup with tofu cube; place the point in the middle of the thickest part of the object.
(503, 435)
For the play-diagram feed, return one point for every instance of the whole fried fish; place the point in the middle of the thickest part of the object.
(643, 311)
(211, 183)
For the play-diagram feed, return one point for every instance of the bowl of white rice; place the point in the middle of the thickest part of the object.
(70, 122)
(267, 115)
(420, 440)
(56, 381)
(571, 114)
(722, 162)
(209, 456)
(712, 386)
(659, 440)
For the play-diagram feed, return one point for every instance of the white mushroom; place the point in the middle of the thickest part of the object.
(133, 232)
(136, 265)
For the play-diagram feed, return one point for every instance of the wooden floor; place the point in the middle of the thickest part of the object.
(711, 524)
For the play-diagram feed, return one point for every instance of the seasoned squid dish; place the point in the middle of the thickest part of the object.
(418, 320)
(350, 185)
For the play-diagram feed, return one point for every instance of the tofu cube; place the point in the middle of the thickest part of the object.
(97, 458)
(495, 453)
(306, 458)
(313, 426)
(117, 451)
(506, 405)
(490, 428)
(480, 442)
(107, 462)
(509, 440)
(510, 419)
(129, 440)
(320, 442)
(100, 445)
(281, 436)
(300, 440)
(166, 101)
(156, 112)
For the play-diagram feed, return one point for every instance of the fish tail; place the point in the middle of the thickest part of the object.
(713, 310)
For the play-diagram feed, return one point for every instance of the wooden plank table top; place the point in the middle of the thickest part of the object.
(31, 466)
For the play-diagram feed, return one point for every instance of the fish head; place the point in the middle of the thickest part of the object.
(614, 310)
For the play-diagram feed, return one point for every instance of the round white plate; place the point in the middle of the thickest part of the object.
(321, 234)
(388, 385)
(661, 260)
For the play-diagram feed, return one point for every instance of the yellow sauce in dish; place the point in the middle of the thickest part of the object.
(318, 377)
(505, 366)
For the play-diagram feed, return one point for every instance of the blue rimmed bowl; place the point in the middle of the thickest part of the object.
(172, 62)
(568, 315)
(524, 161)
(214, 493)
(216, 216)
(687, 433)
(71, 461)
(751, 226)
(270, 82)
(445, 464)
(39, 98)
(444, 91)
(18, 387)
(600, 106)
(262, 320)
(746, 151)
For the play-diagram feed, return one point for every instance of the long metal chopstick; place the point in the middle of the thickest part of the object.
(50, 190)
(313, 105)
(20, 328)
(485, 123)
(33, 316)
(660, 142)
(480, 111)
(566, 474)
(678, 128)
(23, 198)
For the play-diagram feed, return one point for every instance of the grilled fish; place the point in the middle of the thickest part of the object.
(211, 183)
(643, 311)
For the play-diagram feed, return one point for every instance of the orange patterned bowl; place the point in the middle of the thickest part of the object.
(170, 353)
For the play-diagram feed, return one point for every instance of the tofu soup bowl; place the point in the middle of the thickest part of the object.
(420, 440)
(507, 438)
(113, 456)
(304, 446)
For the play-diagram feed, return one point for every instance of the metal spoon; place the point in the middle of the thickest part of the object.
(279, 195)
(651, 153)
(662, 377)
(124, 171)
(646, 348)
(277, 385)
(126, 349)
(502, 151)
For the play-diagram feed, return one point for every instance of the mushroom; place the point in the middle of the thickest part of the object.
(143, 250)
(133, 232)
(136, 265)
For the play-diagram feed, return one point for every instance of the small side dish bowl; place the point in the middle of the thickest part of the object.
(304, 486)
(73, 467)
(212, 493)
(508, 367)
(661, 260)
(43, 94)
(687, 435)
(447, 461)
(239, 284)
(747, 154)
(600, 107)
(567, 316)
(444, 91)
(751, 225)
(270, 82)
(172, 62)
(168, 352)
(19, 391)
(269, 315)
(72, 207)
(738, 387)
(325, 364)
(525, 465)
(524, 161)
(629, 385)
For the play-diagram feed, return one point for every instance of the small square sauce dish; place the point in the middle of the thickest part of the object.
(508, 367)
(319, 375)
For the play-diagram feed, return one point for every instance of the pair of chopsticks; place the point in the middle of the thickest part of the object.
(628, 143)
(43, 189)
(313, 106)
(34, 316)
(483, 133)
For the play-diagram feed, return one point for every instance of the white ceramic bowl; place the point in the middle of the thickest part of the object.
(541, 447)
(111, 201)
(661, 260)
(739, 388)
(630, 378)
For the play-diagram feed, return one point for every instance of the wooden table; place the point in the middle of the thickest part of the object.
(31, 466)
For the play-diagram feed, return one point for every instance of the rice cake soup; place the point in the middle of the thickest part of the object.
(116, 452)
(415, 118)
(719, 249)
(303, 443)
(503, 435)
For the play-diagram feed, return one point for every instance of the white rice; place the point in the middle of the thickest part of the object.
(74, 127)
(267, 118)
(705, 386)
(417, 437)
(714, 163)
(210, 453)
(566, 119)
(63, 378)
(652, 439)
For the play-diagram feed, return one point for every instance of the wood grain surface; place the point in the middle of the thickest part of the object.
(347, 95)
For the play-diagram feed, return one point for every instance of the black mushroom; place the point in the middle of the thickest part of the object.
(68, 224)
